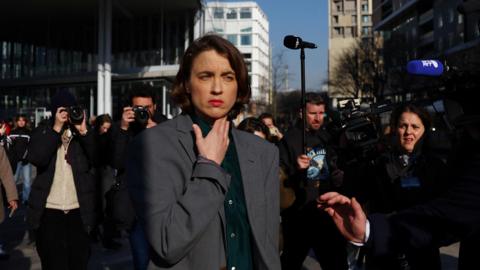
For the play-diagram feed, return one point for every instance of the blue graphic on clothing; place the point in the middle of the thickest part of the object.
(318, 169)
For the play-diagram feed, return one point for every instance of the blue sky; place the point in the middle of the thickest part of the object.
(307, 19)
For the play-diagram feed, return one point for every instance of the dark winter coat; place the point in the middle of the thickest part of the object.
(42, 152)
(20, 137)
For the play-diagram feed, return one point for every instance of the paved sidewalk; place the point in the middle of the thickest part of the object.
(23, 255)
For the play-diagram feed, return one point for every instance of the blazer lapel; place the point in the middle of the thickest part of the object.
(186, 136)
(253, 186)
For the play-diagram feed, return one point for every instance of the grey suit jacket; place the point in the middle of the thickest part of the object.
(179, 200)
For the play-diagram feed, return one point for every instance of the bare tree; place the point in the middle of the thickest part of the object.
(280, 77)
(358, 70)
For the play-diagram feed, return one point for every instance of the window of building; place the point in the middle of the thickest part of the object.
(246, 39)
(218, 30)
(338, 31)
(232, 14)
(245, 13)
(365, 18)
(246, 30)
(365, 7)
(233, 39)
(451, 15)
(339, 7)
(348, 32)
(218, 13)
(354, 19)
(460, 18)
(440, 21)
(335, 19)
(247, 55)
(365, 30)
(386, 35)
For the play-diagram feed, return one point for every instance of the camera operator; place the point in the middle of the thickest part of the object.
(304, 227)
(61, 206)
(137, 116)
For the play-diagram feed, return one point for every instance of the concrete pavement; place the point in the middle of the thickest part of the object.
(23, 255)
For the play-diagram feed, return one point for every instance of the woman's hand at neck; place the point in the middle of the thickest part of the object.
(215, 144)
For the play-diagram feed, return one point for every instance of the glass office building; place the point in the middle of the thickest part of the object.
(96, 49)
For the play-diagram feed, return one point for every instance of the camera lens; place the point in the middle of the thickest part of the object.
(141, 115)
(75, 114)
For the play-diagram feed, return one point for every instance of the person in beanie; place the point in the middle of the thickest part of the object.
(61, 208)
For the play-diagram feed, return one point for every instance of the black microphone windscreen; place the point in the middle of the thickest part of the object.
(292, 42)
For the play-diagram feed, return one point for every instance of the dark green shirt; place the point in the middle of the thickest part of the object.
(238, 235)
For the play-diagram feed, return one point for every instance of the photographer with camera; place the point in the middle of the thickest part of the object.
(61, 207)
(304, 227)
(275, 134)
(138, 115)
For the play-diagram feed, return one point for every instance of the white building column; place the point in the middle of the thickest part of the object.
(100, 69)
(104, 70)
(108, 57)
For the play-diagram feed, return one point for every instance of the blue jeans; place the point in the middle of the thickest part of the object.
(25, 170)
(139, 246)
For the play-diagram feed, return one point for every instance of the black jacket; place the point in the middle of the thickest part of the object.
(291, 147)
(389, 187)
(42, 152)
(123, 215)
(452, 216)
(20, 138)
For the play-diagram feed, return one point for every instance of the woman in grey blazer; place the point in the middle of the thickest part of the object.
(206, 193)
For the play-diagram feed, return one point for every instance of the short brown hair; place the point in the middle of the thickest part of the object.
(224, 48)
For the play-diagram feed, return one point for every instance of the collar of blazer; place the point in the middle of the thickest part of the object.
(187, 140)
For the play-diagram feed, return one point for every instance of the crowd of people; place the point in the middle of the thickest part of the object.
(195, 192)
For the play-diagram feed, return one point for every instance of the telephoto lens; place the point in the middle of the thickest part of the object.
(75, 113)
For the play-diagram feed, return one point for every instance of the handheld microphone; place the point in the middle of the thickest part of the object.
(295, 43)
(425, 67)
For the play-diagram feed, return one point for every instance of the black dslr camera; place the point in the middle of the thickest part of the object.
(141, 115)
(75, 113)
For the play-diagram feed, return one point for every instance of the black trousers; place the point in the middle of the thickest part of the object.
(310, 228)
(62, 242)
(469, 251)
